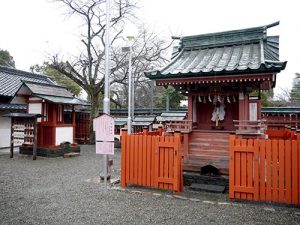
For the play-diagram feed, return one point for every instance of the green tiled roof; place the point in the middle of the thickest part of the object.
(120, 121)
(281, 110)
(231, 52)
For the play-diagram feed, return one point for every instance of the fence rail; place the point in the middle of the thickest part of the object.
(152, 161)
(265, 170)
(183, 125)
(248, 127)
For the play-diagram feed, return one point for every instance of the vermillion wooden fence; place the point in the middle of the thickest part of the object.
(152, 161)
(265, 170)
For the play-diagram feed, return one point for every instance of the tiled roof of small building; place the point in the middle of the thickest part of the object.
(48, 89)
(231, 52)
(17, 107)
(11, 80)
(281, 110)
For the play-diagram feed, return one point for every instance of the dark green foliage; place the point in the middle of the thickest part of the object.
(60, 78)
(174, 97)
(6, 59)
(295, 92)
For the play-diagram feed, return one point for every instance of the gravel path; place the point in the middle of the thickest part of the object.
(67, 191)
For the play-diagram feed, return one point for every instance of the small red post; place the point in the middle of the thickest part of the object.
(160, 130)
(123, 157)
(145, 130)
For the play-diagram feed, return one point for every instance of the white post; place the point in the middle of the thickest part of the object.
(106, 100)
(129, 125)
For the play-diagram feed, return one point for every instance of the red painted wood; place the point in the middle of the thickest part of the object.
(295, 174)
(288, 171)
(232, 167)
(270, 173)
(190, 107)
(209, 80)
(275, 172)
(123, 159)
(249, 155)
(281, 150)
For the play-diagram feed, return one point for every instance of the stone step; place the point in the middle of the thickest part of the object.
(209, 152)
(202, 139)
(207, 146)
(208, 188)
(71, 154)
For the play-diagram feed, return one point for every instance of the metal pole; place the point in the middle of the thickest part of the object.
(132, 94)
(106, 100)
(129, 94)
(152, 93)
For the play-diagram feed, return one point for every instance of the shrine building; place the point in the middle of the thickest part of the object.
(222, 74)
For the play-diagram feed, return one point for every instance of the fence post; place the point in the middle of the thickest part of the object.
(123, 157)
(232, 138)
(145, 130)
(177, 169)
(160, 130)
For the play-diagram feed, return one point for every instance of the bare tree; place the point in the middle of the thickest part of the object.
(87, 69)
(148, 53)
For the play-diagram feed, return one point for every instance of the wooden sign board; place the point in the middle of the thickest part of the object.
(104, 127)
(106, 148)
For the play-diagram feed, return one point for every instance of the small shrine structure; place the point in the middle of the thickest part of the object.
(218, 72)
(39, 95)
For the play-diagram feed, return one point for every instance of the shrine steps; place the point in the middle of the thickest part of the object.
(207, 148)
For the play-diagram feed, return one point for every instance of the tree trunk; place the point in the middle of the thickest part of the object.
(95, 108)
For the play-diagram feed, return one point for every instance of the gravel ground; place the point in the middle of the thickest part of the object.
(67, 191)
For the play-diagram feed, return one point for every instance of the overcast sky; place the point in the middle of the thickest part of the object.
(32, 30)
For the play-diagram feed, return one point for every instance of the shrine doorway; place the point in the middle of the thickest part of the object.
(216, 115)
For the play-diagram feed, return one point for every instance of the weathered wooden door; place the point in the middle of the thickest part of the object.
(168, 171)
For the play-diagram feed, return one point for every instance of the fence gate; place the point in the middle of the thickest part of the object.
(152, 161)
(265, 170)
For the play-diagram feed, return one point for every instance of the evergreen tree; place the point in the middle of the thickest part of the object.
(6, 59)
(295, 92)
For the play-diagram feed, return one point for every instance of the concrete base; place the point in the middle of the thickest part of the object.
(50, 152)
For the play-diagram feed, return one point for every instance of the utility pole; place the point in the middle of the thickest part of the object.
(129, 119)
(106, 100)
(130, 86)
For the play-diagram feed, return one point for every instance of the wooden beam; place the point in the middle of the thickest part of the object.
(34, 147)
(12, 138)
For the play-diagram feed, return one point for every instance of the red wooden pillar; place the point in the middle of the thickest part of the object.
(54, 122)
(243, 106)
(73, 122)
(43, 119)
(190, 107)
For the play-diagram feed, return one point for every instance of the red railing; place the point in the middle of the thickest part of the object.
(250, 128)
(183, 126)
